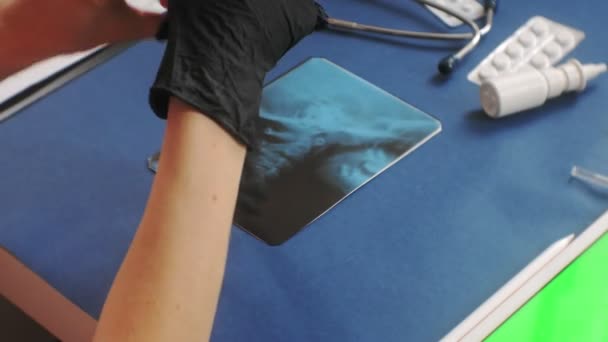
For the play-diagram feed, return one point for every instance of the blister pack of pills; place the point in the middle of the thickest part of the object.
(538, 44)
(470, 9)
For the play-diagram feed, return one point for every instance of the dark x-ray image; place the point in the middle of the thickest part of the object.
(323, 133)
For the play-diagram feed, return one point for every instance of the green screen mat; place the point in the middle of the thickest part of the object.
(572, 307)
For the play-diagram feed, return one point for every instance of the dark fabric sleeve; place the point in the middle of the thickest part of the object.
(219, 51)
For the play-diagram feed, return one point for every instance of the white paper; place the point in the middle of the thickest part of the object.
(152, 6)
(40, 71)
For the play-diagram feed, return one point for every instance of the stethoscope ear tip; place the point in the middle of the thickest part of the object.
(446, 65)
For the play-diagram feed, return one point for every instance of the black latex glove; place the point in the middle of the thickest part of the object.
(219, 51)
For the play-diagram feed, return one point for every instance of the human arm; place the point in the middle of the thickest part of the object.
(216, 57)
(168, 286)
(180, 246)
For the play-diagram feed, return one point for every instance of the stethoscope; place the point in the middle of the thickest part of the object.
(447, 64)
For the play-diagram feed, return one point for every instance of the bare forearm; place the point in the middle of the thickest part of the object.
(18, 49)
(23, 37)
(169, 284)
(34, 30)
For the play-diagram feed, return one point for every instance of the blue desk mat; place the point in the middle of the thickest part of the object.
(405, 258)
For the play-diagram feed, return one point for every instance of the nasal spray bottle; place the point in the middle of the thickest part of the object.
(509, 94)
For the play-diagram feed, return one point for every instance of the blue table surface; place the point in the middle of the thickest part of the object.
(406, 257)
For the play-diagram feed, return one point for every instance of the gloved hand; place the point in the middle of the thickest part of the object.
(219, 51)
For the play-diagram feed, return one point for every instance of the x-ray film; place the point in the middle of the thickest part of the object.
(323, 133)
